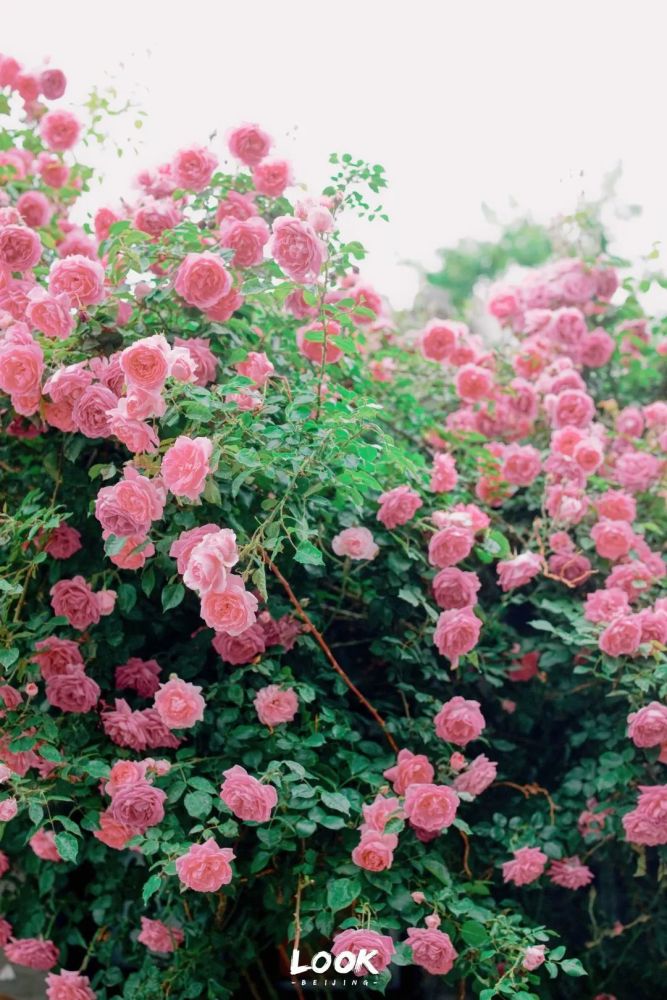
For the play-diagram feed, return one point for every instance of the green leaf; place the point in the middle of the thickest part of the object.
(198, 804)
(172, 595)
(341, 892)
(151, 886)
(8, 656)
(68, 846)
(336, 801)
(50, 753)
(474, 934)
(308, 555)
(573, 967)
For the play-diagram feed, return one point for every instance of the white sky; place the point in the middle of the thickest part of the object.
(462, 101)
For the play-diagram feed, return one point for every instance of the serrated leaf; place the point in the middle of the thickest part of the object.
(67, 845)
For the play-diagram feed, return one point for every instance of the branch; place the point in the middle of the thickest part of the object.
(319, 639)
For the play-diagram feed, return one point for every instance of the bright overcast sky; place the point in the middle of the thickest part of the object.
(462, 102)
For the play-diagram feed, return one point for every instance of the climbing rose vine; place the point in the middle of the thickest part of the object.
(318, 633)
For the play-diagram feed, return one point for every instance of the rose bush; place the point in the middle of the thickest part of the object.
(316, 632)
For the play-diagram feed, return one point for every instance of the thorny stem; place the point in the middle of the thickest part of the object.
(327, 651)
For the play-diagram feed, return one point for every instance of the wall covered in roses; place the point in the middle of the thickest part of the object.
(317, 632)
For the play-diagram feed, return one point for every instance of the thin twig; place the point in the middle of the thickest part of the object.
(327, 651)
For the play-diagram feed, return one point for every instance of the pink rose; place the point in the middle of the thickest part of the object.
(297, 249)
(21, 368)
(50, 314)
(398, 506)
(159, 937)
(34, 208)
(604, 605)
(210, 561)
(257, 367)
(43, 844)
(231, 610)
(450, 545)
(249, 143)
(138, 805)
(521, 464)
(431, 807)
(185, 466)
(20, 247)
(205, 361)
(137, 435)
(613, 539)
(179, 704)
(235, 206)
(242, 648)
(271, 177)
(438, 338)
(130, 506)
(533, 957)
(112, 833)
(63, 542)
(571, 407)
(145, 364)
(617, 506)
(518, 571)
(455, 588)
(52, 83)
(247, 238)
(66, 985)
(202, 279)
(473, 383)
(205, 867)
(193, 168)
(134, 553)
(596, 348)
(410, 769)
(456, 633)
(225, 307)
(375, 851)
(247, 797)
(432, 949)
(59, 130)
(72, 691)
(34, 953)
(480, 773)
(8, 809)
(622, 636)
(275, 705)
(75, 600)
(637, 471)
(54, 655)
(459, 721)
(570, 873)
(443, 474)
(526, 866)
(79, 278)
(315, 342)
(356, 941)
(91, 412)
(378, 813)
(141, 676)
(648, 726)
(355, 543)
(182, 548)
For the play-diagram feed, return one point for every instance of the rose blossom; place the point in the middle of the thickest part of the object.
(72, 690)
(257, 367)
(79, 278)
(193, 168)
(63, 542)
(432, 949)
(66, 985)
(517, 572)
(138, 805)
(356, 941)
(202, 279)
(247, 238)
(159, 937)
(457, 632)
(185, 466)
(398, 506)
(183, 546)
(375, 851)
(205, 360)
(355, 543)
(622, 636)
(648, 726)
(242, 648)
(410, 769)
(521, 464)
(145, 363)
(613, 539)
(444, 476)
(59, 130)
(637, 471)
(533, 957)
(43, 844)
(526, 866)
(20, 247)
(34, 953)
(459, 721)
(450, 545)
(54, 655)
(91, 412)
(275, 705)
(431, 807)
(438, 338)
(480, 773)
(378, 813)
(297, 249)
(247, 797)
(205, 867)
(473, 383)
(210, 561)
(249, 143)
(271, 177)
(130, 506)
(50, 314)
(570, 873)
(604, 605)
(79, 604)
(455, 588)
(179, 704)
(8, 809)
